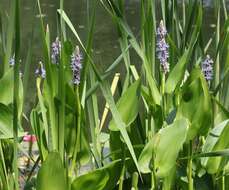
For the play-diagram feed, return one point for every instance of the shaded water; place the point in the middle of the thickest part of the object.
(106, 46)
(105, 38)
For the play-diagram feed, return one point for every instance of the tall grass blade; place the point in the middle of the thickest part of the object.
(16, 117)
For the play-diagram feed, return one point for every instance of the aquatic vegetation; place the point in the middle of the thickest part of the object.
(56, 50)
(76, 66)
(162, 123)
(40, 71)
(12, 61)
(207, 68)
(162, 48)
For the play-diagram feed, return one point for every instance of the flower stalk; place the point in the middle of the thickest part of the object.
(56, 50)
(163, 55)
(162, 48)
(207, 69)
(189, 169)
(76, 66)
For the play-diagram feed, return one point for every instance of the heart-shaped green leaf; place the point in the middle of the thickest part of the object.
(195, 104)
(128, 105)
(51, 176)
(101, 179)
(176, 76)
(164, 146)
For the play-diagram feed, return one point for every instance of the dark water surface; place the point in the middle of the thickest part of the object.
(105, 39)
(106, 47)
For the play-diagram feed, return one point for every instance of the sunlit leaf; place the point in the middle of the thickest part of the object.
(217, 140)
(101, 179)
(176, 76)
(6, 123)
(164, 147)
(6, 86)
(195, 104)
(128, 105)
(51, 176)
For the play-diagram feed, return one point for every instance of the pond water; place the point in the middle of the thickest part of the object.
(106, 47)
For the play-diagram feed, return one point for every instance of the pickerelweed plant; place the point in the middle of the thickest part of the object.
(168, 125)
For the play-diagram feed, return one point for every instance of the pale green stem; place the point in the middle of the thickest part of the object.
(121, 179)
(134, 181)
(184, 14)
(163, 94)
(190, 180)
(223, 180)
(150, 130)
(224, 9)
(4, 165)
(77, 144)
(217, 64)
(153, 175)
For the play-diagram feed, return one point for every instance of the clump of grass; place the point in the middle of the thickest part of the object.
(168, 128)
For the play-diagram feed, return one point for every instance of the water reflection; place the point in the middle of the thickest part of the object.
(106, 47)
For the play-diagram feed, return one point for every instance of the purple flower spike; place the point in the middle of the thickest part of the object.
(207, 68)
(56, 48)
(162, 47)
(40, 71)
(76, 66)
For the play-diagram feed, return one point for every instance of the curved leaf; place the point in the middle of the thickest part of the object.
(171, 140)
(195, 104)
(172, 136)
(118, 120)
(6, 86)
(128, 105)
(51, 176)
(146, 156)
(177, 74)
(100, 179)
(6, 123)
(217, 140)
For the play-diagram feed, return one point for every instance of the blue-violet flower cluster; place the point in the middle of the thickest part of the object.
(56, 49)
(76, 66)
(207, 68)
(162, 47)
(40, 71)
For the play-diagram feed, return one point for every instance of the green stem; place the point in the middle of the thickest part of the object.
(163, 84)
(5, 180)
(153, 180)
(217, 64)
(214, 181)
(224, 9)
(134, 181)
(150, 130)
(123, 168)
(223, 181)
(190, 180)
(163, 94)
(184, 14)
(61, 88)
(16, 116)
(30, 153)
(153, 175)
(77, 144)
